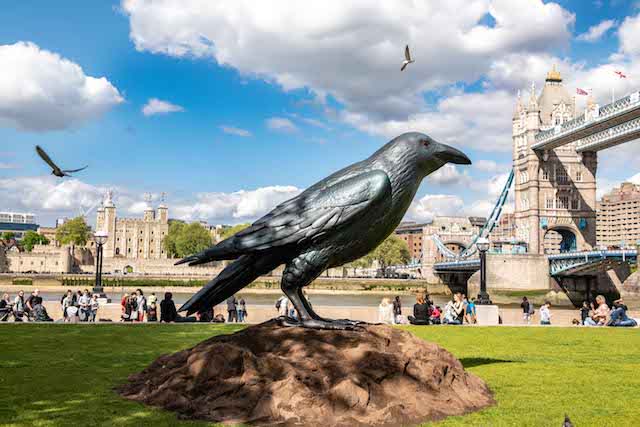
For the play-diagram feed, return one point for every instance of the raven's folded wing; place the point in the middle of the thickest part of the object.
(309, 217)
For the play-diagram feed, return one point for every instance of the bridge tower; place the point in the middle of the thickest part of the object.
(555, 190)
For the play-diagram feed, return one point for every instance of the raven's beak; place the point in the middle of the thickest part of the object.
(449, 154)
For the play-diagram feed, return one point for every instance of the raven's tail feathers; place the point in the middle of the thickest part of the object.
(233, 278)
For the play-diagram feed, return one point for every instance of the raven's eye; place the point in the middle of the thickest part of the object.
(425, 143)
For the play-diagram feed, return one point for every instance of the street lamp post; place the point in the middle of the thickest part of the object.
(100, 238)
(483, 245)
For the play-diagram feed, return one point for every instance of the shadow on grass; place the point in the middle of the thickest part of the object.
(470, 362)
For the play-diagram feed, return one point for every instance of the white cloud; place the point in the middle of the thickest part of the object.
(238, 206)
(629, 33)
(490, 166)
(448, 175)
(49, 194)
(8, 166)
(595, 32)
(281, 124)
(235, 131)
(41, 91)
(157, 106)
(425, 208)
(352, 51)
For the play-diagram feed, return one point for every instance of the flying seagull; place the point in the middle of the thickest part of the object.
(56, 170)
(407, 58)
(333, 222)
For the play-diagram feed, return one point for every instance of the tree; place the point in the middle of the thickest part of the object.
(31, 238)
(392, 251)
(186, 239)
(75, 232)
(8, 235)
(228, 232)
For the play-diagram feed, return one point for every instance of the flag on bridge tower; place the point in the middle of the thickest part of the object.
(581, 91)
(620, 74)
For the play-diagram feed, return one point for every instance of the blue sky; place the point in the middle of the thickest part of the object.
(296, 102)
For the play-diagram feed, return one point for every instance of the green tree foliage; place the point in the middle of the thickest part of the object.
(7, 235)
(75, 232)
(186, 239)
(228, 232)
(31, 238)
(392, 251)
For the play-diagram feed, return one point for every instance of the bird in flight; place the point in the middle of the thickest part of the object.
(335, 221)
(407, 58)
(56, 170)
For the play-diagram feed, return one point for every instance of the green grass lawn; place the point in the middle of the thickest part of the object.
(64, 374)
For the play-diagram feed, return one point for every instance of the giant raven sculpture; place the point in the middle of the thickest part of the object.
(337, 220)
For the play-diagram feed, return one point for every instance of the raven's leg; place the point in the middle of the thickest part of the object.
(297, 274)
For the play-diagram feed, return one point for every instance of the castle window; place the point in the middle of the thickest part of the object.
(561, 176)
(562, 202)
(117, 251)
(549, 203)
(575, 204)
(129, 250)
(578, 176)
(545, 174)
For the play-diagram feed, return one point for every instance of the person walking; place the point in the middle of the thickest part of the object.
(94, 305)
(545, 313)
(242, 310)
(232, 309)
(397, 310)
(526, 306)
(141, 304)
(18, 306)
(85, 306)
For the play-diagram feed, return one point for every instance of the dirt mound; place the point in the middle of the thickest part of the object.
(272, 375)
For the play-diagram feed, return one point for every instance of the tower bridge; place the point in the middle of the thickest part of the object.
(555, 160)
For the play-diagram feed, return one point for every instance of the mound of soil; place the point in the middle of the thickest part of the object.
(272, 375)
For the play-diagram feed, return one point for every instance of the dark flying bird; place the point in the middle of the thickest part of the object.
(335, 221)
(56, 170)
(407, 58)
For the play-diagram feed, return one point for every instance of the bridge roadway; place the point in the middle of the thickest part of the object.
(564, 264)
(609, 125)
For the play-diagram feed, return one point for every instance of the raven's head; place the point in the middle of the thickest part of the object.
(428, 154)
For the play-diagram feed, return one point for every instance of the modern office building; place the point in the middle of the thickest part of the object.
(17, 223)
(618, 216)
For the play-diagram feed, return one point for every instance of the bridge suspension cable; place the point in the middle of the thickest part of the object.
(487, 228)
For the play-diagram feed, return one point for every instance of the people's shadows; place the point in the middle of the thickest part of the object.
(470, 362)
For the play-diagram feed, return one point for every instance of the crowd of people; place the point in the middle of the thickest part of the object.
(458, 311)
(599, 314)
(21, 309)
(79, 306)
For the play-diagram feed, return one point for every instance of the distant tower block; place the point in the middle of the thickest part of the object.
(555, 191)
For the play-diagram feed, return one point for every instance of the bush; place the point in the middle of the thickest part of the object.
(22, 282)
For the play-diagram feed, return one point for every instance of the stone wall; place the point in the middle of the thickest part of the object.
(514, 272)
(153, 267)
(43, 259)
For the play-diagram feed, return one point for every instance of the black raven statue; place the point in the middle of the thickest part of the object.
(335, 221)
(55, 169)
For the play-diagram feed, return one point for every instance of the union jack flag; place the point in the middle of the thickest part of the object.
(581, 91)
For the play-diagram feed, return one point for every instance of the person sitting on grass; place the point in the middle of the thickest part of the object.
(435, 315)
(168, 312)
(454, 310)
(618, 316)
(545, 313)
(421, 312)
(470, 312)
(152, 312)
(584, 312)
(600, 314)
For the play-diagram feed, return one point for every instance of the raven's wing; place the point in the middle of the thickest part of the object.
(307, 218)
(404, 65)
(44, 156)
(75, 170)
(407, 55)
